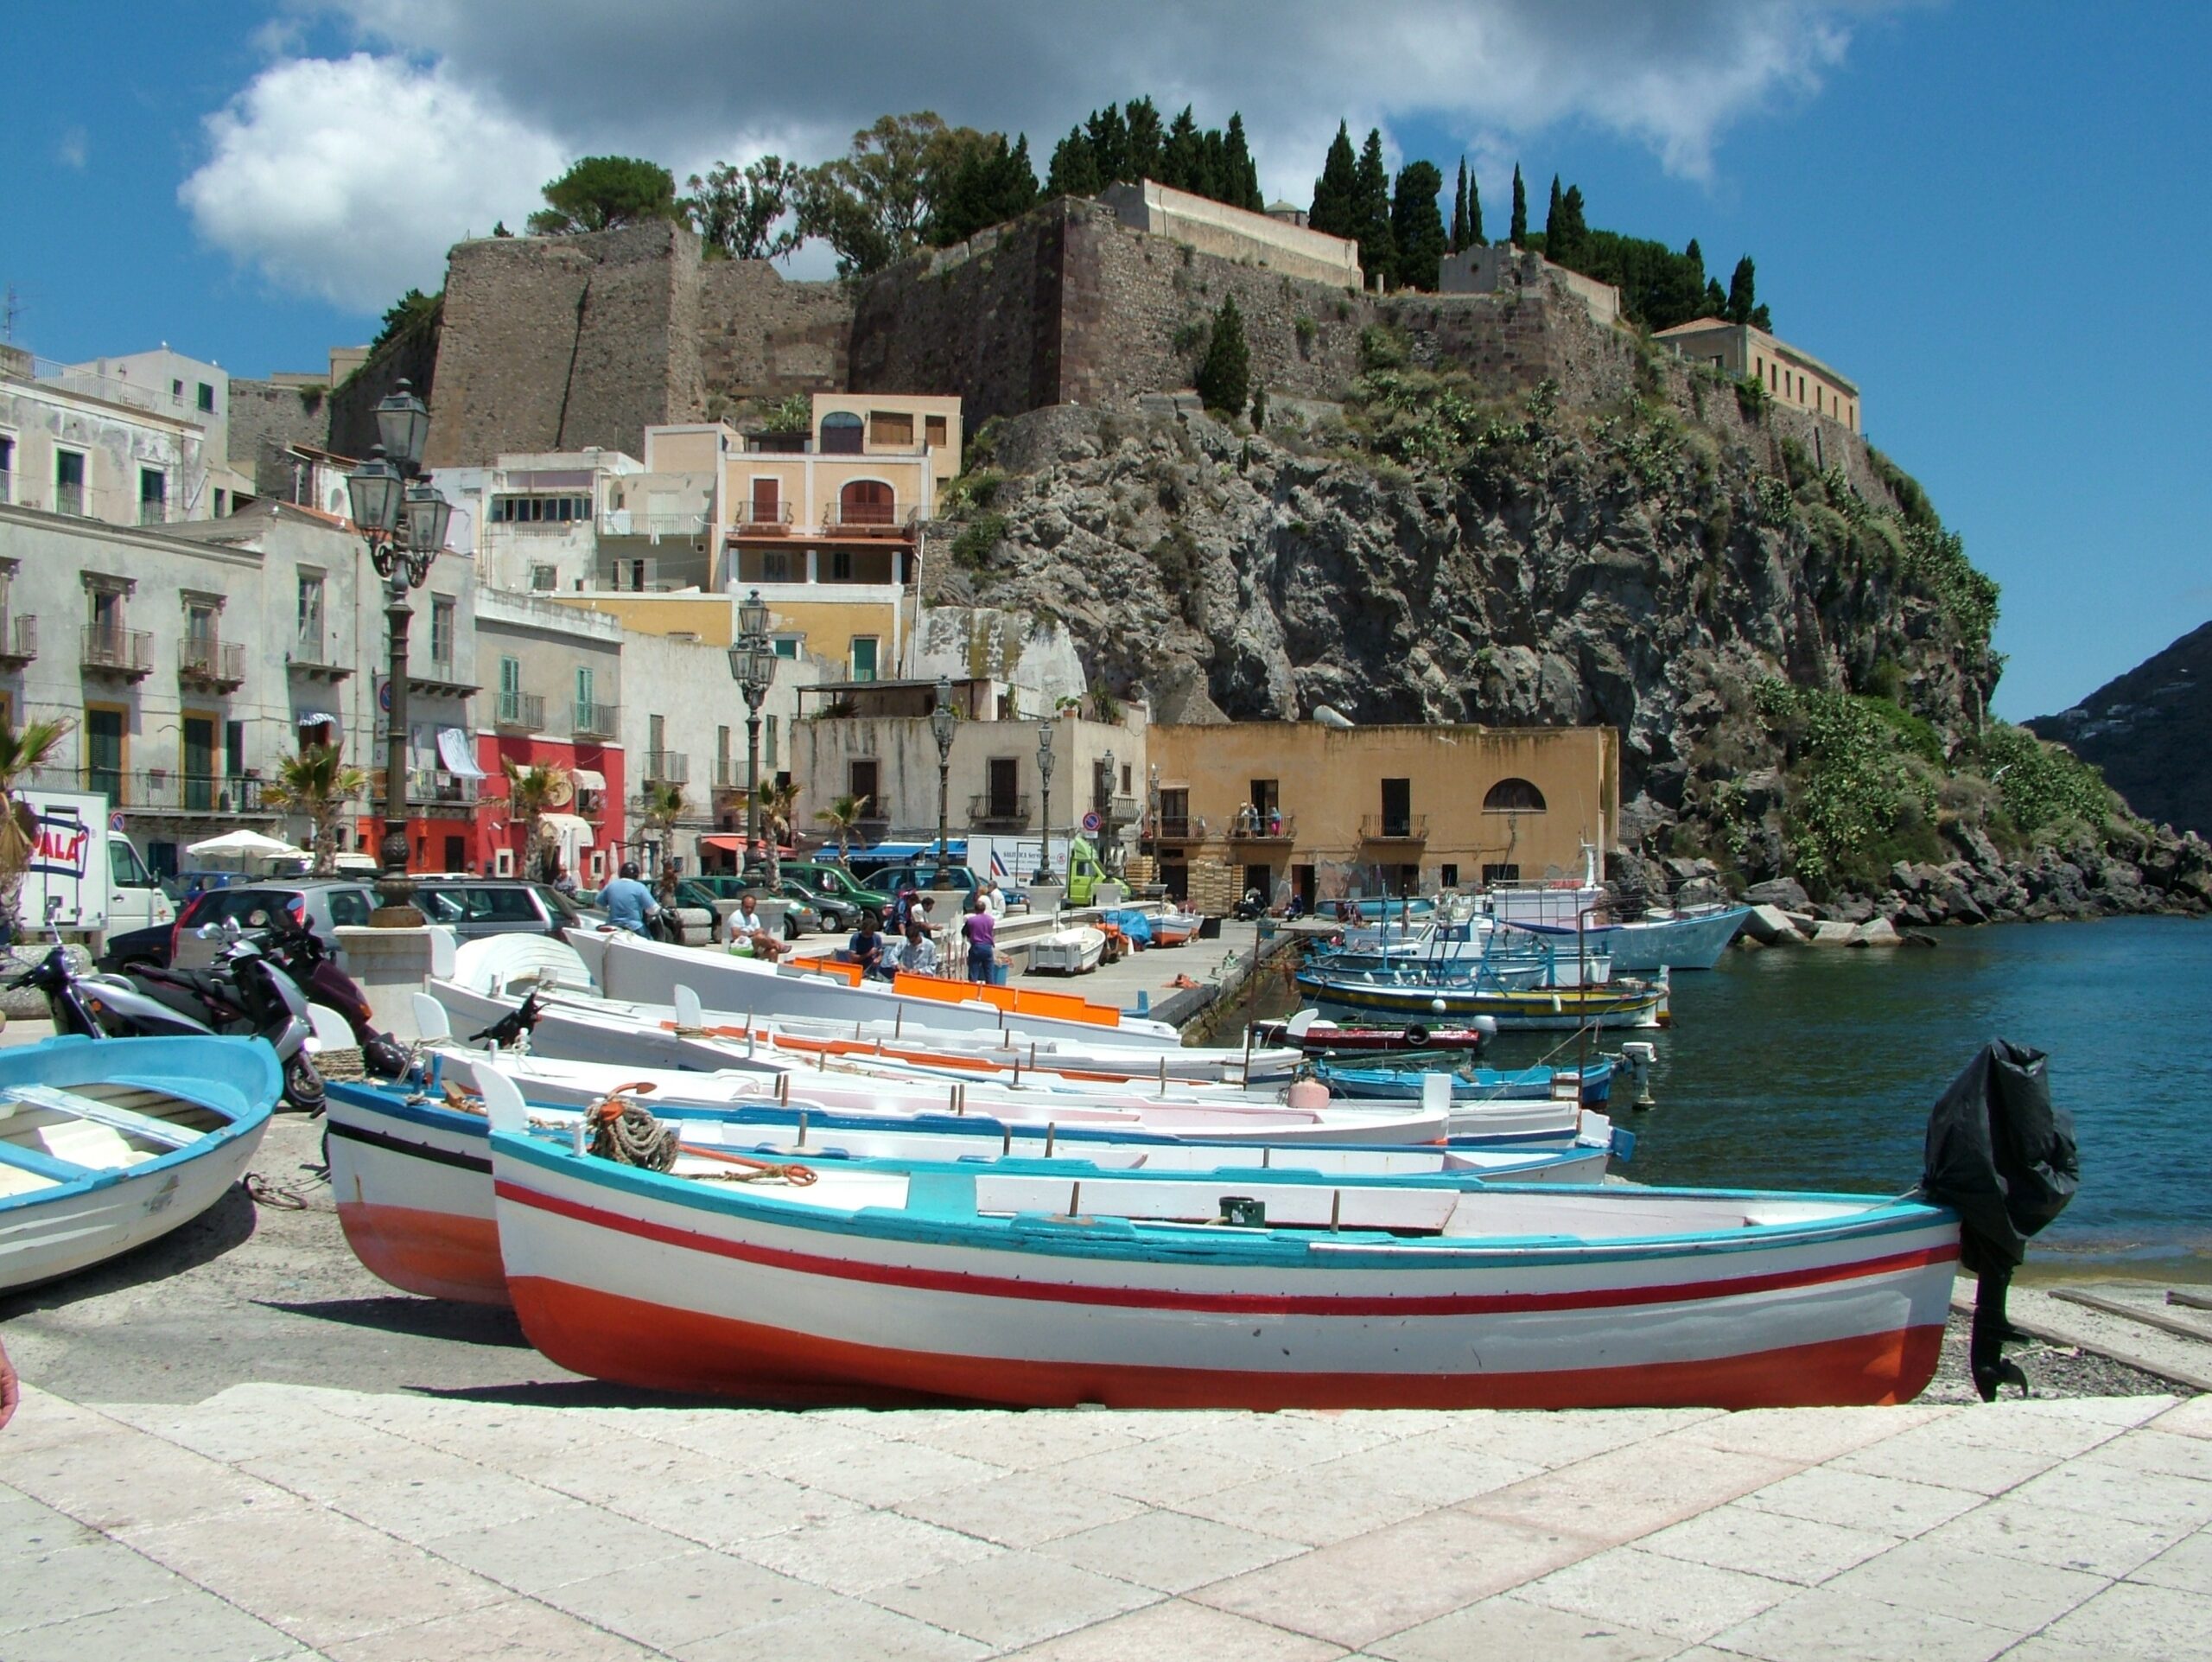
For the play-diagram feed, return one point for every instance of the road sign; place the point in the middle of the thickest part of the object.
(115, 822)
(1091, 822)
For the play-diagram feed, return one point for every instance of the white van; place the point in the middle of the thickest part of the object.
(85, 880)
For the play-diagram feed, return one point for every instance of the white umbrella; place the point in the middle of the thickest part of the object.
(244, 843)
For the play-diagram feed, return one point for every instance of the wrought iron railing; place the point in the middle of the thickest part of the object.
(1394, 828)
(125, 651)
(667, 768)
(522, 709)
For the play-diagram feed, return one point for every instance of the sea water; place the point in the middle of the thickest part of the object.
(1815, 1068)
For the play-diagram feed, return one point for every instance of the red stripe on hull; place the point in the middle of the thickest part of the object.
(432, 1253)
(1340, 1304)
(630, 1342)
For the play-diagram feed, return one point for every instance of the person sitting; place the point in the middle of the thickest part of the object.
(920, 954)
(749, 933)
(994, 901)
(866, 946)
(630, 905)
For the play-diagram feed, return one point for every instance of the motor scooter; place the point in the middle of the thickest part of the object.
(301, 954)
(244, 996)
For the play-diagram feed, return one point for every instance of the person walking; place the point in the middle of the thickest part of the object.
(980, 929)
(630, 905)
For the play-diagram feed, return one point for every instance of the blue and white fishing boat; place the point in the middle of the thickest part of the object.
(106, 1144)
(1403, 1081)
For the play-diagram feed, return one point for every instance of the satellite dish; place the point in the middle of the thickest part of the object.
(563, 793)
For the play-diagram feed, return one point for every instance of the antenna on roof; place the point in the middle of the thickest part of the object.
(10, 309)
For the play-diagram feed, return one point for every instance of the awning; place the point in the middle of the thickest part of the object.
(316, 718)
(723, 845)
(458, 755)
(586, 780)
(565, 828)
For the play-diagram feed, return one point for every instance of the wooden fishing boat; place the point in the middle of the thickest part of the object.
(412, 1176)
(106, 1144)
(1040, 1291)
(1372, 995)
(1068, 952)
(1592, 1085)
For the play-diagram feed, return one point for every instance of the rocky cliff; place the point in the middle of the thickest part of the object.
(2148, 731)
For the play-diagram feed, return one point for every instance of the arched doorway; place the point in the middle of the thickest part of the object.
(866, 502)
(841, 433)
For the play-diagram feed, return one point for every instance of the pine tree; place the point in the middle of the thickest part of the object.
(1241, 189)
(1074, 171)
(1333, 191)
(1378, 251)
(1459, 209)
(1417, 225)
(1519, 234)
(1743, 298)
(1475, 237)
(1224, 379)
(1178, 154)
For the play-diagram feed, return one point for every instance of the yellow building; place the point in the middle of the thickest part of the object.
(1297, 807)
(1791, 377)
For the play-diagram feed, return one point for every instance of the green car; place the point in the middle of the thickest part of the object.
(839, 884)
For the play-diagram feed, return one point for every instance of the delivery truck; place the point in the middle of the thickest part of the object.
(86, 881)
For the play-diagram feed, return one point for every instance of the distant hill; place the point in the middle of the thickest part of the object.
(2149, 730)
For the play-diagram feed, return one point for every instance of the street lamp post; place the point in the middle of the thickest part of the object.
(403, 520)
(1106, 814)
(753, 666)
(942, 721)
(1044, 729)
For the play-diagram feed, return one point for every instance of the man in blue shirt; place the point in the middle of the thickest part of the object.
(629, 903)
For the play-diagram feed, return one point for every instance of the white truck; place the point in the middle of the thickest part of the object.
(85, 879)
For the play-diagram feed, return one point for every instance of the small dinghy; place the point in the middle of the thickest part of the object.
(106, 1144)
(1068, 952)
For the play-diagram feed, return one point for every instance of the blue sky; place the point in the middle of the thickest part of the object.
(1993, 218)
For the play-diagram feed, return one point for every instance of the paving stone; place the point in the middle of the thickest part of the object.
(570, 1543)
(1176, 1629)
(403, 1489)
(1931, 1457)
(1770, 1543)
(2161, 1623)
(1994, 1425)
(1982, 1587)
(898, 1471)
(1012, 1599)
(228, 1429)
(1025, 1508)
(2013, 1528)
(1022, 1441)
(1509, 1626)
(1159, 1472)
(852, 1554)
(1691, 1601)
(520, 1630)
(43, 1420)
(2104, 1410)
(1617, 1497)
(1278, 1442)
(1170, 1550)
(724, 1509)
(2090, 1484)
(2190, 1418)
(1551, 1440)
(1359, 1590)
(2186, 1565)
(1807, 1435)
(2041, 1647)
(67, 1581)
(1821, 1625)
(1437, 1469)
(673, 1601)
(838, 1630)
(191, 1627)
(2150, 1449)
(1311, 1508)
(1886, 1504)
(320, 1577)
(109, 1476)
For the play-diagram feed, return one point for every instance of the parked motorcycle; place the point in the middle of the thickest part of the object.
(244, 995)
(303, 955)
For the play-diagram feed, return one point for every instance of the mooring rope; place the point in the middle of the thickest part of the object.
(623, 1130)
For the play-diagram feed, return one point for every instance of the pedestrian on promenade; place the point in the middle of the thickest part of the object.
(981, 931)
(629, 903)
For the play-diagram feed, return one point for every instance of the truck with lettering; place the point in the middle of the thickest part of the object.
(84, 880)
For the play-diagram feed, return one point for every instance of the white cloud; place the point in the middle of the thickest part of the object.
(349, 178)
(73, 149)
(518, 89)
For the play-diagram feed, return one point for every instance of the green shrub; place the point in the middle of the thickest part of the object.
(2043, 785)
(1305, 328)
(1381, 347)
(1861, 795)
(1751, 398)
(978, 540)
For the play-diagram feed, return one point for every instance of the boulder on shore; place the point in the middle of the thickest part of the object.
(1834, 931)
(1786, 894)
(1770, 925)
(1875, 931)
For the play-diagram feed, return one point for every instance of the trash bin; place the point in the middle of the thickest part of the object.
(998, 975)
(1209, 928)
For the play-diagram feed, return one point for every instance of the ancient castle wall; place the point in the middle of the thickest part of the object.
(761, 335)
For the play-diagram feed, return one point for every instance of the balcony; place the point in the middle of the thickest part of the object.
(652, 526)
(989, 813)
(315, 657)
(1179, 828)
(870, 518)
(762, 519)
(126, 654)
(1121, 811)
(18, 639)
(520, 712)
(1394, 828)
(429, 787)
(216, 666)
(730, 773)
(168, 791)
(667, 768)
(596, 721)
(1264, 828)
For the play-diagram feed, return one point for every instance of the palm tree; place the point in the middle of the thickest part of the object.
(533, 793)
(777, 803)
(660, 804)
(22, 750)
(843, 816)
(317, 783)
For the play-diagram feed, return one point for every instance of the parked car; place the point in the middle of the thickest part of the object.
(321, 904)
(804, 911)
(927, 876)
(834, 880)
(476, 907)
(139, 949)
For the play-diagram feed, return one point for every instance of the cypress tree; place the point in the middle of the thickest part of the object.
(1213, 166)
(1716, 303)
(1459, 209)
(1241, 189)
(1333, 191)
(1378, 251)
(1143, 121)
(1109, 143)
(1566, 236)
(1178, 154)
(1074, 171)
(1475, 237)
(1519, 234)
(1551, 216)
(1224, 379)
(1743, 298)
(1417, 225)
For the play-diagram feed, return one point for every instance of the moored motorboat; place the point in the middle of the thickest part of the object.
(1372, 995)
(1040, 1291)
(106, 1144)
(1068, 951)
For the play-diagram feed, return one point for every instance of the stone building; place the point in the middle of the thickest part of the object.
(1321, 812)
(1271, 239)
(1501, 267)
(1796, 379)
(553, 696)
(104, 448)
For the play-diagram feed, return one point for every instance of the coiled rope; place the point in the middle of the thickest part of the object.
(623, 1129)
